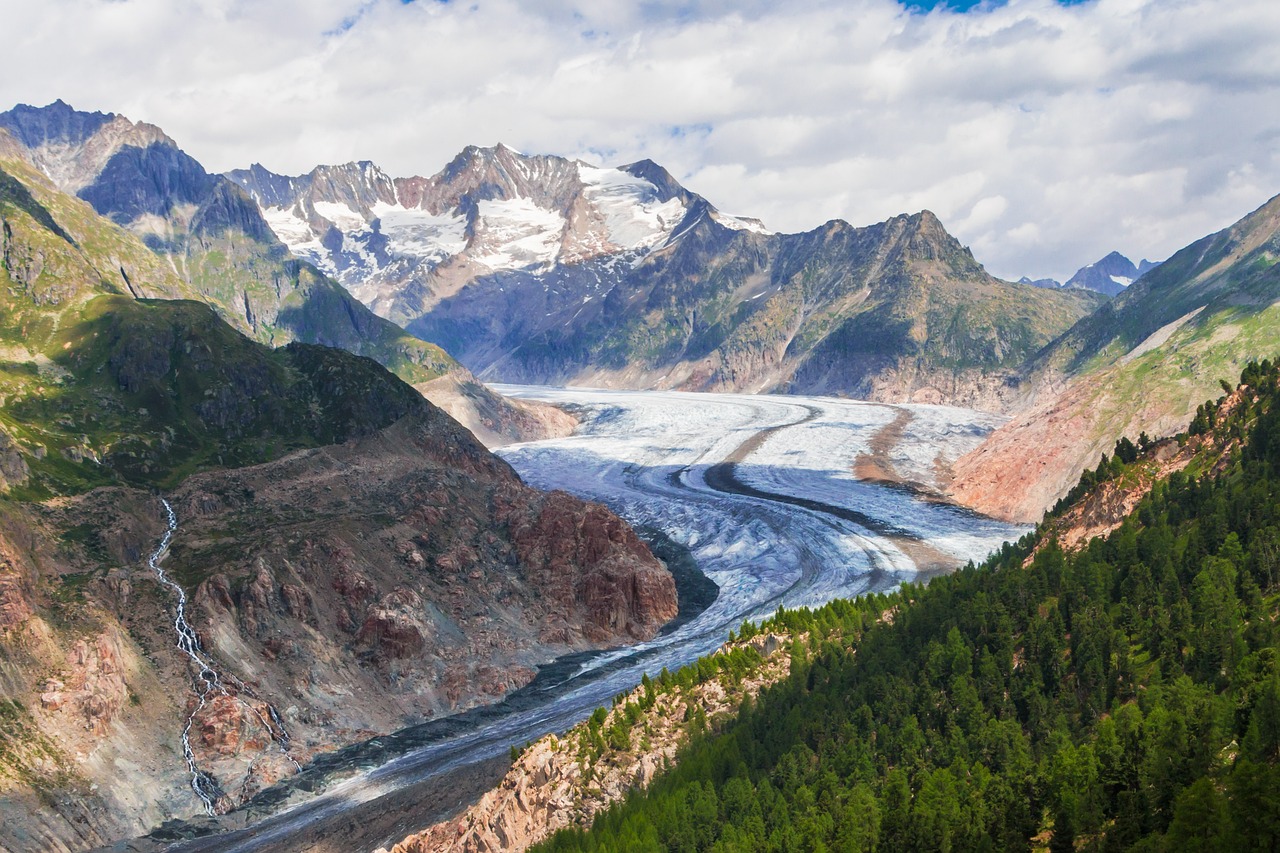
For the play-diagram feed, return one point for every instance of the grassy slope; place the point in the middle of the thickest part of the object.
(1141, 363)
(289, 300)
(100, 387)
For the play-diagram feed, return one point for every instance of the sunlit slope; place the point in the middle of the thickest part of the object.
(1141, 363)
(101, 386)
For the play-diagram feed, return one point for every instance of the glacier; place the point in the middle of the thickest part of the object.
(661, 460)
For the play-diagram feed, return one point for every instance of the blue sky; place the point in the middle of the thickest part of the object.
(964, 5)
(1044, 134)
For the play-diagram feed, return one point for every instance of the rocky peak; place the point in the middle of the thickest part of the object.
(57, 122)
(401, 243)
(501, 173)
(922, 237)
(152, 180)
(71, 147)
(360, 184)
(1110, 275)
(264, 186)
(668, 187)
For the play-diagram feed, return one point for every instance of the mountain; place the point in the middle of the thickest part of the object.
(1047, 283)
(543, 269)
(215, 241)
(350, 560)
(1111, 275)
(1140, 363)
(211, 235)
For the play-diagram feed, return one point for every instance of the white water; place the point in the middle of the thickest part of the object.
(208, 680)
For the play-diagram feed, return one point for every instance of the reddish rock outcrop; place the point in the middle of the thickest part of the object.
(91, 691)
(553, 784)
(15, 608)
(592, 563)
(341, 592)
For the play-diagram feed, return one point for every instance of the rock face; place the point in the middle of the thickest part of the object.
(541, 269)
(553, 784)
(419, 554)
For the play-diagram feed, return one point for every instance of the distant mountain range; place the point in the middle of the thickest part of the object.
(543, 269)
(1109, 276)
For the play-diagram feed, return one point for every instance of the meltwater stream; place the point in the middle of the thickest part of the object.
(208, 680)
(763, 494)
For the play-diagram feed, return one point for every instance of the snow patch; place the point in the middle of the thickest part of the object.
(342, 216)
(741, 223)
(295, 232)
(517, 234)
(634, 217)
(416, 233)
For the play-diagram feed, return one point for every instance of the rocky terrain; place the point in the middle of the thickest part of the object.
(562, 781)
(1141, 363)
(337, 536)
(544, 270)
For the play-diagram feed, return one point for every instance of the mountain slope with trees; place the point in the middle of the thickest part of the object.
(1125, 695)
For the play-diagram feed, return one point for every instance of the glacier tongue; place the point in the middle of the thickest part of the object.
(650, 455)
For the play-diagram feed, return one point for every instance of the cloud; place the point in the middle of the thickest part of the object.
(1044, 135)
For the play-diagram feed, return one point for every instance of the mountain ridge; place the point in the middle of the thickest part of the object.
(543, 269)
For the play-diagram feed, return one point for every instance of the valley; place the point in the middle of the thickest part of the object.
(649, 456)
(228, 372)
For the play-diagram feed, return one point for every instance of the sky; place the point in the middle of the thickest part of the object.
(1044, 134)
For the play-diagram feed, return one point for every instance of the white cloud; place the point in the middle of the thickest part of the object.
(1044, 136)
